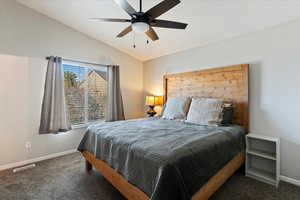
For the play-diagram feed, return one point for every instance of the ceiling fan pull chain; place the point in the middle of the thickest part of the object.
(134, 40)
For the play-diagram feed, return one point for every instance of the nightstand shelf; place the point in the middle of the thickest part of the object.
(262, 158)
(264, 154)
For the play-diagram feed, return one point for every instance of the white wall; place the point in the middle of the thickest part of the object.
(28, 37)
(274, 81)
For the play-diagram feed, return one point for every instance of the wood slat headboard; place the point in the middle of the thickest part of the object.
(229, 83)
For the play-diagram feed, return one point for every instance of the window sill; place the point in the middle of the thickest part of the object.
(80, 126)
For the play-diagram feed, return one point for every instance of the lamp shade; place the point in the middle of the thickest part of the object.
(154, 100)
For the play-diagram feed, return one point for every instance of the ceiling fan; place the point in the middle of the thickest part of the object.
(142, 22)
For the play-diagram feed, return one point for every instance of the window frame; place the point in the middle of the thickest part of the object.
(86, 108)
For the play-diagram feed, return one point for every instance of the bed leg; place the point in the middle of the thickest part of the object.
(242, 169)
(88, 166)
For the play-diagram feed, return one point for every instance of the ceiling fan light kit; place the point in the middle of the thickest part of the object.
(140, 27)
(142, 22)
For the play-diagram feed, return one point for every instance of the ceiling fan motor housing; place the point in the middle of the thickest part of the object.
(140, 17)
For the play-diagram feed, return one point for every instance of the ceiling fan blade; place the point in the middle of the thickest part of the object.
(168, 24)
(162, 7)
(151, 34)
(110, 20)
(125, 31)
(126, 6)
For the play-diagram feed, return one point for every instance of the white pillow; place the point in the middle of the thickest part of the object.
(205, 111)
(176, 108)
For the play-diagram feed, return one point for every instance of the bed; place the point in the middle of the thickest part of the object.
(155, 158)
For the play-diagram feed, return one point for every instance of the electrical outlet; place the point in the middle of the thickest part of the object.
(28, 145)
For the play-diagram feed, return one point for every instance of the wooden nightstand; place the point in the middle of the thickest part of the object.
(263, 158)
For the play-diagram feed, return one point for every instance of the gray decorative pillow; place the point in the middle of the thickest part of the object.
(205, 111)
(176, 108)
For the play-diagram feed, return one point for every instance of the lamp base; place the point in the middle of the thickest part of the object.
(151, 112)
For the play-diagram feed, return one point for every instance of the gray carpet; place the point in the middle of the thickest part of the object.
(64, 178)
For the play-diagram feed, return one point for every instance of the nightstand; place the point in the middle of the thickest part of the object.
(263, 158)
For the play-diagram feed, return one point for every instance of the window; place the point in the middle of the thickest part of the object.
(86, 92)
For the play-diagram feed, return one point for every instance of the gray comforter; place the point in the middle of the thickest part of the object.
(166, 159)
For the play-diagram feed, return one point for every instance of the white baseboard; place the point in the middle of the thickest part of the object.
(290, 180)
(34, 160)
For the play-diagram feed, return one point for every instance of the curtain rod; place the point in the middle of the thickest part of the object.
(82, 62)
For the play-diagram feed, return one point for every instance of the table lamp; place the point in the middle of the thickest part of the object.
(153, 101)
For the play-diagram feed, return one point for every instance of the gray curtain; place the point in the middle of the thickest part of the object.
(54, 117)
(115, 109)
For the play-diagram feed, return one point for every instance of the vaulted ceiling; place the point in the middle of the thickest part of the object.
(209, 21)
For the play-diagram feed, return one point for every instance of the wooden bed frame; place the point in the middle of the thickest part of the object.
(229, 83)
